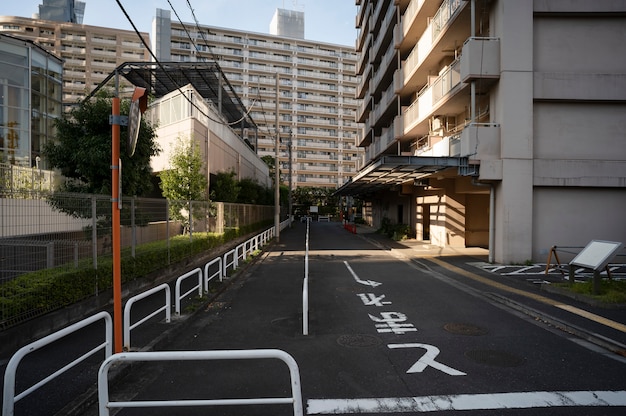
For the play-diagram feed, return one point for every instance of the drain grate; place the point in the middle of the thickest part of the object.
(358, 341)
(465, 329)
(495, 358)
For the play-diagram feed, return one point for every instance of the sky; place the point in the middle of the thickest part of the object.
(328, 21)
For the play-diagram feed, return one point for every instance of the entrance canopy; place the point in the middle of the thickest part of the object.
(396, 170)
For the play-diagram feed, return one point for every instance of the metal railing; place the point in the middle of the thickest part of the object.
(305, 283)
(219, 273)
(105, 405)
(179, 281)
(9, 397)
(129, 304)
(71, 233)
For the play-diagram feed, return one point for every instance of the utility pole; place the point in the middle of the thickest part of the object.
(116, 195)
(290, 143)
(276, 169)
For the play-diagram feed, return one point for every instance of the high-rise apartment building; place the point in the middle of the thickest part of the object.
(316, 99)
(89, 53)
(495, 123)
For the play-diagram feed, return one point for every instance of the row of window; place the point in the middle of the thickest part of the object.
(227, 38)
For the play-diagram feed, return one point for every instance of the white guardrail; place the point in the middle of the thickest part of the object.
(130, 302)
(200, 287)
(9, 397)
(305, 284)
(295, 399)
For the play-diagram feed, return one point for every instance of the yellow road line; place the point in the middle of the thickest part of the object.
(572, 309)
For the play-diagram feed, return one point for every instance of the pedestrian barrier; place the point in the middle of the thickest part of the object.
(129, 304)
(105, 405)
(233, 254)
(305, 285)
(200, 286)
(208, 277)
(8, 396)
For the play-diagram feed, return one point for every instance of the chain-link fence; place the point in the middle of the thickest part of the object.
(44, 236)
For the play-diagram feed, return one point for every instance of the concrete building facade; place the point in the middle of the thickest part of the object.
(89, 53)
(494, 123)
(316, 101)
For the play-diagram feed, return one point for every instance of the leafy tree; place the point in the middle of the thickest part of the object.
(306, 196)
(184, 181)
(251, 192)
(82, 152)
(225, 187)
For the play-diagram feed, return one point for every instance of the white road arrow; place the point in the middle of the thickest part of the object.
(427, 360)
(363, 282)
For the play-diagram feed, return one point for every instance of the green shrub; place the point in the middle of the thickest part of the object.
(36, 293)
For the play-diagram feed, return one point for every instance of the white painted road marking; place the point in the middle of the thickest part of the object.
(370, 299)
(427, 360)
(522, 400)
(371, 283)
(392, 322)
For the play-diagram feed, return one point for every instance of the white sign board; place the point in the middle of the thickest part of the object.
(597, 254)
(313, 209)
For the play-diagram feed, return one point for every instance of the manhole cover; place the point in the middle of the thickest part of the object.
(358, 341)
(495, 358)
(465, 329)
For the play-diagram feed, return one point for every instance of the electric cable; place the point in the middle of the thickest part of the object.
(156, 60)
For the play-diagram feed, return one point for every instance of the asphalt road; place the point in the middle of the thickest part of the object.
(389, 332)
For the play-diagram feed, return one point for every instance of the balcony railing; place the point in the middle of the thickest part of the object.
(445, 12)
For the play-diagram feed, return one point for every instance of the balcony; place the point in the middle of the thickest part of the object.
(439, 41)
(480, 59)
(481, 141)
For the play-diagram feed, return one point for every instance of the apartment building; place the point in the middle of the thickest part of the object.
(89, 53)
(316, 99)
(494, 123)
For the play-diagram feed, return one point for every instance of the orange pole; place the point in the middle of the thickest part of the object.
(115, 214)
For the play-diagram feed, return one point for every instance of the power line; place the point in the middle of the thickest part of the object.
(156, 60)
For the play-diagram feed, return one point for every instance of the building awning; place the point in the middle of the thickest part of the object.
(396, 170)
(206, 77)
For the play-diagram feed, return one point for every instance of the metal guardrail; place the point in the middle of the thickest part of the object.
(105, 405)
(208, 277)
(129, 304)
(200, 286)
(305, 284)
(9, 398)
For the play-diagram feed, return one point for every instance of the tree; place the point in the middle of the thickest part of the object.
(184, 181)
(82, 152)
(225, 188)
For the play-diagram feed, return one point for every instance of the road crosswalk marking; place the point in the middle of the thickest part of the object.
(514, 400)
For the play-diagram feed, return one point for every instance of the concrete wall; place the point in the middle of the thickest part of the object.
(575, 216)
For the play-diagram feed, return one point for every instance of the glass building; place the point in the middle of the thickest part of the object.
(30, 100)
